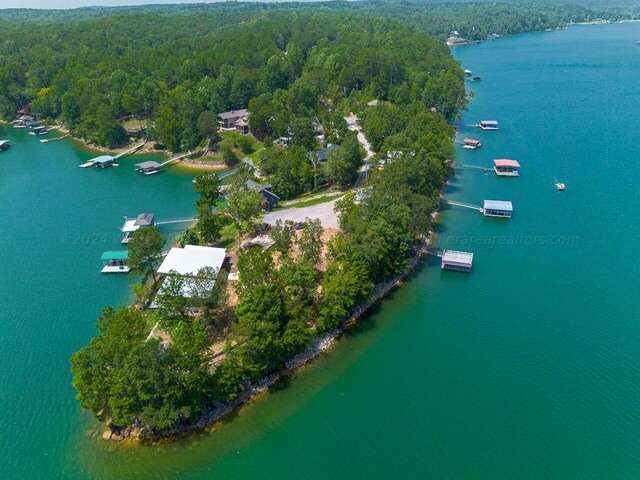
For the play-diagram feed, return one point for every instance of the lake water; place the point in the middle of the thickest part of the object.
(529, 367)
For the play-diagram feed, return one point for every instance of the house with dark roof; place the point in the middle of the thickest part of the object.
(323, 154)
(270, 199)
(234, 120)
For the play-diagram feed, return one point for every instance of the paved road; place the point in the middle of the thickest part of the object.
(353, 125)
(323, 211)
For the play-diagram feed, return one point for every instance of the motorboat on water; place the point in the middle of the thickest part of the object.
(559, 185)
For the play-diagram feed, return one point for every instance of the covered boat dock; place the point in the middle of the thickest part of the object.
(457, 261)
(115, 262)
(104, 161)
(471, 143)
(4, 144)
(497, 208)
(506, 168)
(133, 224)
(148, 168)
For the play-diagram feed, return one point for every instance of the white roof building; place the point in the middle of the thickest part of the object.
(188, 261)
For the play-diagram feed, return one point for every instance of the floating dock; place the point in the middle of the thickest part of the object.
(103, 161)
(490, 208)
(488, 125)
(132, 224)
(115, 262)
(457, 261)
(497, 208)
(471, 143)
(506, 168)
(148, 168)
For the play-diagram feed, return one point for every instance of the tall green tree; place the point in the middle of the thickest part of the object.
(145, 252)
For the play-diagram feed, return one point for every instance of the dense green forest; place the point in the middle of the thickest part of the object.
(177, 66)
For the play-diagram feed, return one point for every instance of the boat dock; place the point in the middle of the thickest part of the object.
(132, 224)
(148, 168)
(497, 208)
(454, 260)
(151, 167)
(4, 144)
(506, 168)
(105, 161)
(490, 208)
(488, 125)
(115, 262)
(48, 140)
(462, 204)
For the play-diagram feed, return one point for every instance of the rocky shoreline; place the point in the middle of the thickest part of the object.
(219, 411)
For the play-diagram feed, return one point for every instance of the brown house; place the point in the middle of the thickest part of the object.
(234, 120)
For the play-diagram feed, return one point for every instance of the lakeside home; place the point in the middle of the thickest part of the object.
(271, 200)
(234, 120)
(323, 154)
(188, 261)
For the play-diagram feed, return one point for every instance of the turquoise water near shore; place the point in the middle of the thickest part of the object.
(527, 368)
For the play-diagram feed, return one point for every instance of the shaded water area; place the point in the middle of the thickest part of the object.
(526, 368)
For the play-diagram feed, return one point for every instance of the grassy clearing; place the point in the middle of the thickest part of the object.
(229, 237)
(310, 202)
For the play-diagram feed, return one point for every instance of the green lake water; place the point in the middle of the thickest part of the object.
(529, 367)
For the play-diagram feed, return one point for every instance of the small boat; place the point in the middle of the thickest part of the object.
(475, 79)
(559, 185)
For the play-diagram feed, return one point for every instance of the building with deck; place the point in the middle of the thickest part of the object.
(115, 262)
(132, 224)
(234, 120)
(506, 168)
(497, 208)
(458, 261)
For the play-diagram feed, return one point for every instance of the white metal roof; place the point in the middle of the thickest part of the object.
(457, 257)
(188, 261)
(130, 225)
(3, 142)
(498, 205)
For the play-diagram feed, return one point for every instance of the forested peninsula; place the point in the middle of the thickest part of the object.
(306, 74)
